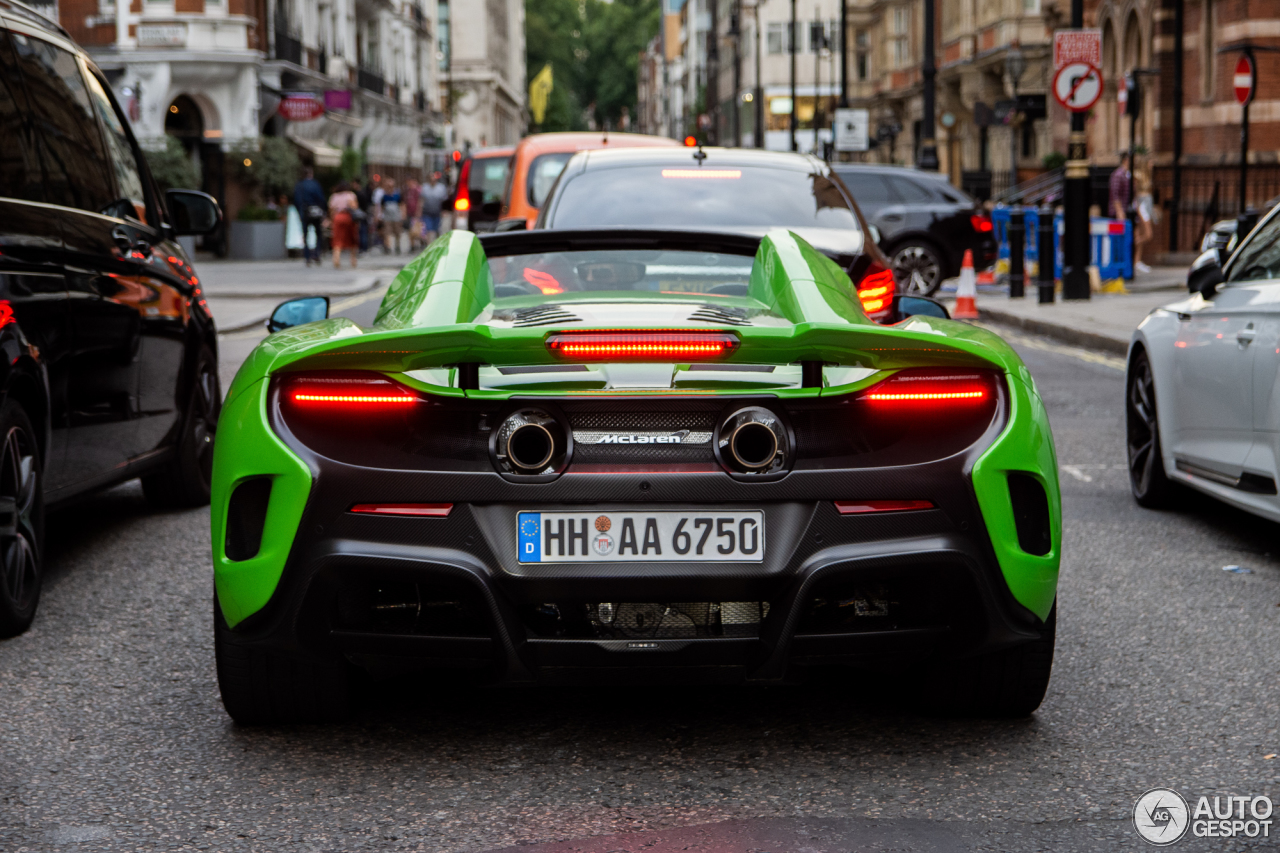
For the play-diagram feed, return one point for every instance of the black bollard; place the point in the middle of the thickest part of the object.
(1017, 251)
(1046, 255)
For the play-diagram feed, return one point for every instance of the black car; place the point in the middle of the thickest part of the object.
(925, 223)
(110, 364)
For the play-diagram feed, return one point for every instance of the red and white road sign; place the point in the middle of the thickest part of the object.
(1243, 80)
(1077, 46)
(1122, 94)
(1077, 86)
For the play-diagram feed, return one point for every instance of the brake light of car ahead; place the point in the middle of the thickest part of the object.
(875, 291)
(462, 202)
(982, 223)
(642, 345)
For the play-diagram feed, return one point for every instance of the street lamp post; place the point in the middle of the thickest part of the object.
(1075, 198)
(928, 157)
(1015, 64)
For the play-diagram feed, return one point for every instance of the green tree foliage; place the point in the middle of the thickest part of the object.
(352, 165)
(271, 165)
(594, 49)
(172, 166)
(616, 34)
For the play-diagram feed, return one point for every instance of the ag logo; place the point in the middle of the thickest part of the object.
(1161, 817)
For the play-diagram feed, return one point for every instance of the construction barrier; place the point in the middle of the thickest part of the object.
(1110, 243)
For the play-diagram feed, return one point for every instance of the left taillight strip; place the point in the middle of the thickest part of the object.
(409, 510)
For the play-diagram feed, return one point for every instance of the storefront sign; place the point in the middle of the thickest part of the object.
(162, 35)
(301, 106)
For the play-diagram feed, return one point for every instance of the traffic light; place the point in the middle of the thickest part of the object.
(690, 141)
(1133, 106)
(457, 156)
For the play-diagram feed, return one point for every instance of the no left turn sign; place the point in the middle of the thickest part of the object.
(1077, 86)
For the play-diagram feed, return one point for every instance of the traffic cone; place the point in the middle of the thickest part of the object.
(967, 292)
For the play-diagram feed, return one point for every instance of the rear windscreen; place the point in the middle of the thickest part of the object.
(691, 197)
(637, 271)
(488, 178)
(543, 172)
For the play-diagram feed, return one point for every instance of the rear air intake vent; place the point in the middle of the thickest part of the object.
(246, 515)
(1030, 514)
(543, 315)
(720, 315)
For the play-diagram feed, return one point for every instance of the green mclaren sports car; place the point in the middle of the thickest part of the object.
(633, 457)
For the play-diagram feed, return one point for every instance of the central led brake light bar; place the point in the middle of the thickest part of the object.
(641, 345)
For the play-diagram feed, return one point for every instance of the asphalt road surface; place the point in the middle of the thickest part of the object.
(113, 737)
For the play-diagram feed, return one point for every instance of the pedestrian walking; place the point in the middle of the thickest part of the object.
(308, 197)
(412, 214)
(1118, 190)
(363, 202)
(433, 199)
(392, 216)
(375, 213)
(1143, 218)
(342, 205)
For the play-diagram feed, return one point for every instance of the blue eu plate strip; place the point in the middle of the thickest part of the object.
(530, 526)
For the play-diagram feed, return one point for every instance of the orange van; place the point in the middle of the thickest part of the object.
(540, 158)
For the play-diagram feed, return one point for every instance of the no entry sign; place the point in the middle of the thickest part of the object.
(1077, 86)
(1243, 80)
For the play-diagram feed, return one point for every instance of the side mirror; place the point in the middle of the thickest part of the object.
(296, 312)
(492, 209)
(918, 306)
(1206, 274)
(194, 214)
(875, 234)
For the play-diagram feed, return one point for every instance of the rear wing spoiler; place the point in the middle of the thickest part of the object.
(428, 319)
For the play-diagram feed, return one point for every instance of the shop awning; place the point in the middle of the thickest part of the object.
(324, 154)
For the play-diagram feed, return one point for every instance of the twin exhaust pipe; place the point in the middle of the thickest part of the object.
(751, 442)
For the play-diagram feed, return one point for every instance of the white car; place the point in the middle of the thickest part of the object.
(1203, 383)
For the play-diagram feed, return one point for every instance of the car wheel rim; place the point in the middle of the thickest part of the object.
(204, 419)
(1142, 427)
(916, 269)
(19, 496)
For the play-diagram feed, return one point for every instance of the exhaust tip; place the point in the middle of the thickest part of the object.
(530, 447)
(530, 442)
(753, 441)
(753, 445)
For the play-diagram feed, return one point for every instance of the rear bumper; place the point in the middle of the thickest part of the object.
(937, 566)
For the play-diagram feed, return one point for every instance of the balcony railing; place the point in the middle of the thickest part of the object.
(288, 48)
(371, 81)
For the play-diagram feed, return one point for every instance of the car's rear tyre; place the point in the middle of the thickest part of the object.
(1006, 683)
(184, 481)
(21, 521)
(917, 267)
(261, 687)
(1150, 485)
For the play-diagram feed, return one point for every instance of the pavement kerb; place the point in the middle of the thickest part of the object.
(259, 319)
(1064, 334)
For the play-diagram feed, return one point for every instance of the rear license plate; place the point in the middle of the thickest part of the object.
(640, 537)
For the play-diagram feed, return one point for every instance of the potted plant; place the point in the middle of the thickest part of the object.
(271, 167)
(257, 234)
